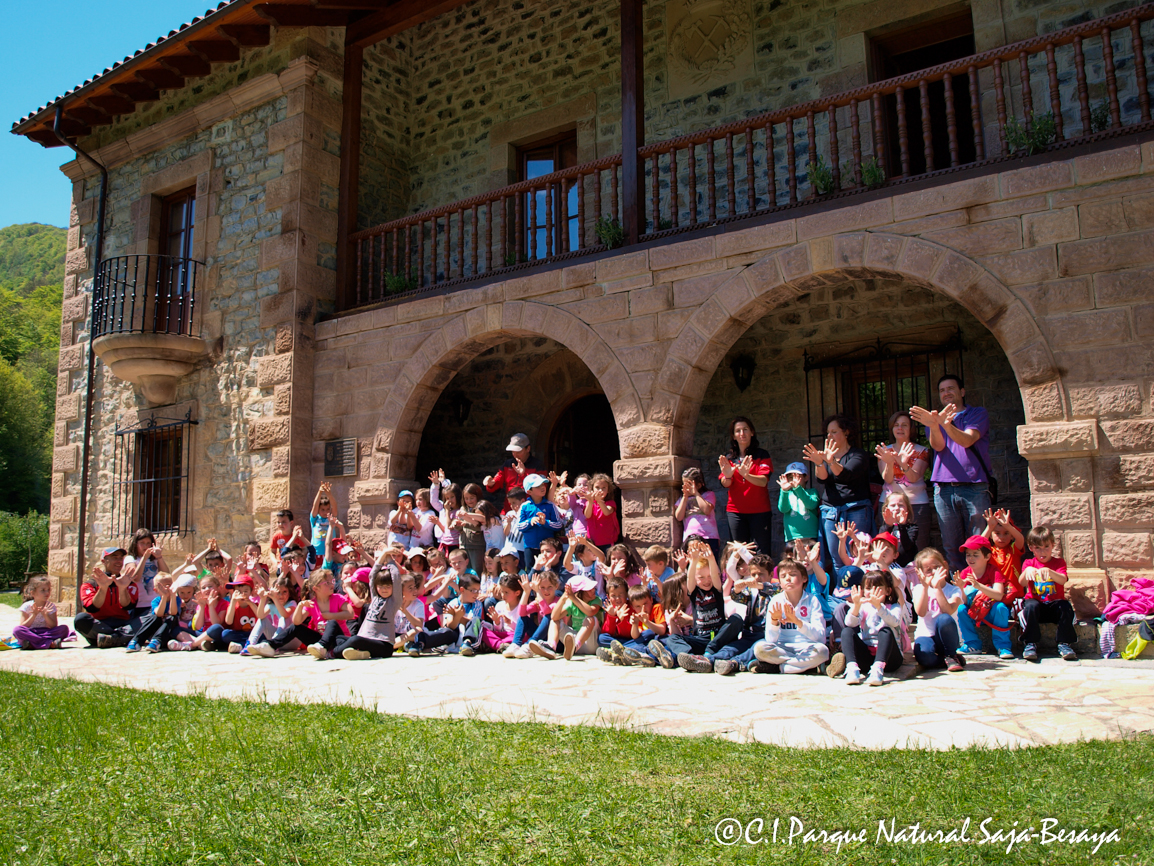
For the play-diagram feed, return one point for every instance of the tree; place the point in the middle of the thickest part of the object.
(25, 462)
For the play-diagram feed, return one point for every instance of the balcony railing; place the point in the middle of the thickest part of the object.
(1031, 96)
(147, 295)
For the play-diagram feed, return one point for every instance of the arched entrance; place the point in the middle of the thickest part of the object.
(583, 438)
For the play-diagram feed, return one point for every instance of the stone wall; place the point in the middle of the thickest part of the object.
(386, 137)
(836, 318)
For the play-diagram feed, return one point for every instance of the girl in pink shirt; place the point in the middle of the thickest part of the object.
(601, 514)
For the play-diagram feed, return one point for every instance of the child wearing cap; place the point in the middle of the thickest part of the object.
(697, 510)
(1044, 577)
(984, 587)
(573, 621)
(798, 504)
(240, 616)
(538, 518)
(403, 520)
(108, 597)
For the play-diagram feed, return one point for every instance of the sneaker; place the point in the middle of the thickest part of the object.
(133, 647)
(56, 644)
(604, 655)
(1067, 652)
(524, 652)
(208, 646)
(633, 657)
(617, 650)
(1030, 653)
(176, 646)
(853, 675)
(1006, 655)
(664, 657)
(694, 663)
(412, 649)
(539, 647)
(153, 646)
(105, 641)
(467, 650)
(757, 666)
(836, 666)
(954, 664)
(877, 677)
(511, 651)
(726, 667)
(1113, 655)
(354, 655)
(570, 644)
(317, 651)
(501, 648)
(967, 650)
(234, 648)
(262, 649)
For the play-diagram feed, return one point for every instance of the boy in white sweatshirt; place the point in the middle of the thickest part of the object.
(794, 624)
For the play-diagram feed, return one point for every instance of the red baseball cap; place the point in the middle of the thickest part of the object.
(977, 542)
(888, 538)
(243, 580)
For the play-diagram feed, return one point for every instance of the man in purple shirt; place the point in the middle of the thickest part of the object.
(961, 488)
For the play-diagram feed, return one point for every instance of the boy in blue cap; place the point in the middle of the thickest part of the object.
(797, 504)
(538, 518)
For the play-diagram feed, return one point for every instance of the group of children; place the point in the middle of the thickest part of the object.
(544, 594)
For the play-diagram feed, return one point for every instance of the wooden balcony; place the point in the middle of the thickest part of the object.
(1076, 87)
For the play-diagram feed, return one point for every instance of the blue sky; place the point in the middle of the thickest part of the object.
(52, 46)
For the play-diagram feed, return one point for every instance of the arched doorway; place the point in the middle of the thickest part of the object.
(584, 438)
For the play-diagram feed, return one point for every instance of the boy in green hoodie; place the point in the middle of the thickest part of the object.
(797, 504)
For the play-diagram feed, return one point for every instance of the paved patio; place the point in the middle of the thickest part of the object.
(991, 703)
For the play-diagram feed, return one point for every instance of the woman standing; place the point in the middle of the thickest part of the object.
(903, 467)
(745, 472)
(842, 475)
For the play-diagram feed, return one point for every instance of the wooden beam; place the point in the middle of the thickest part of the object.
(363, 5)
(113, 104)
(350, 174)
(45, 138)
(283, 15)
(215, 50)
(188, 65)
(87, 115)
(632, 120)
(398, 16)
(138, 91)
(247, 35)
(160, 78)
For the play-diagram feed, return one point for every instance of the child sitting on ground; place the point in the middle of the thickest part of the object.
(276, 609)
(38, 628)
(408, 621)
(160, 626)
(984, 587)
(657, 570)
(323, 617)
(754, 591)
(871, 631)
(497, 634)
(647, 622)
(936, 602)
(794, 625)
(538, 595)
(623, 563)
(711, 629)
(1044, 577)
(581, 560)
(618, 624)
(231, 633)
(460, 624)
(572, 621)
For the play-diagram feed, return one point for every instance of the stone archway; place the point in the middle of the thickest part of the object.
(426, 374)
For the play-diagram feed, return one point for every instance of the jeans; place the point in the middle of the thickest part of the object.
(91, 627)
(288, 634)
(739, 648)
(526, 629)
(960, 508)
(221, 636)
(857, 651)
(998, 619)
(750, 527)
(860, 512)
(158, 628)
(703, 644)
(932, 652)
(1059, 611)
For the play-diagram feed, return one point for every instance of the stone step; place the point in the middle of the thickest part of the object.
(1087, 644)
(1123, 634)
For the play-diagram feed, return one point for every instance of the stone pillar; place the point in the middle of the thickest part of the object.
(306, 139)
(649, 476)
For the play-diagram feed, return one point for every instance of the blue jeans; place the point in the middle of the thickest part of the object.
(998, 619)
(860, 512)
(526, 626)
(740, 648)
(960, 508)
(222, 636)
(931, 652)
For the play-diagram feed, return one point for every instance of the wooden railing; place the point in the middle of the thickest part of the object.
(1081, 83)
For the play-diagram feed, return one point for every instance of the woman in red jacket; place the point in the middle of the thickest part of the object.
(745, 472)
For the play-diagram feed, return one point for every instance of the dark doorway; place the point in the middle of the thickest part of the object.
(911, 50)
(584, 438)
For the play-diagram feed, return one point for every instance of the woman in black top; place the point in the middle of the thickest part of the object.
(842, 474)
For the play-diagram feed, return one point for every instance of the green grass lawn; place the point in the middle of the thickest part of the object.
(98, 774)
(11, 598)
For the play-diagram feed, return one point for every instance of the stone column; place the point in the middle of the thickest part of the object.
(307, 139)
(649, 476)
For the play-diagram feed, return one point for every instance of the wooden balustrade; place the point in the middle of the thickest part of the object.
(877, 126)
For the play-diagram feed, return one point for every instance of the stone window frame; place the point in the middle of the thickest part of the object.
(507, 138)
(147, 212)
(187, 413)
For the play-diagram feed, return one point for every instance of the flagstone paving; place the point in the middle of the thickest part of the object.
(992, 703)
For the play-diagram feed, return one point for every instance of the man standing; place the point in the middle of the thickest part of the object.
(512, 473)
(959, 435)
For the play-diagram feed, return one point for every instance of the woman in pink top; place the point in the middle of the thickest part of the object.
(697, 509)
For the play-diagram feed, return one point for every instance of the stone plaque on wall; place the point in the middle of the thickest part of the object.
(710, 42)
(340, 458)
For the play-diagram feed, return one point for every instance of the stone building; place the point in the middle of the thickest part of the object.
(360, 243)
